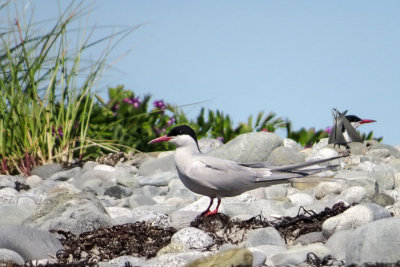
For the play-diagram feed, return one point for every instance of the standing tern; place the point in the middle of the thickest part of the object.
(344, 128)
(215, 177)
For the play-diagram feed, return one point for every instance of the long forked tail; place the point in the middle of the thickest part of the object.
(285, 173)
(292, 167)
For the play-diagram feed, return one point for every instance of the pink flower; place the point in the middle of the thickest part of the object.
(328, 129)
(135, 102)
(221, 138)
(60, 131)
(159, 104)
(171, 121)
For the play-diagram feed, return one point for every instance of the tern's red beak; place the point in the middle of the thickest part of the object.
(366, 121)
(160, 139)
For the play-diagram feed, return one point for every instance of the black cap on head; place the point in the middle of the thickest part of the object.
(183, 129)
(353, 118)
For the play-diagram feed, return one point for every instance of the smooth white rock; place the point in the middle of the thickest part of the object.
(33, 181)
(10, 256)
(297, 255)
(269, 251)
(324, 153)
(75, 212)
(207, 145)
(354, 194)
(125, 260)
(31, 244)
(375, 242)
(287, 142)
(12, 214)
(395, 193)
(354, 217)
(309, 238)
(8, 181)
(103, 167)
(264, 236)
(337, 243)
(276, 192)
(27, 203)
(140, 200)
(192, 238)
(397, 179)
(8, 195)
(175, 259)
(301, 199)
(249, 147)
(326, 188)
(322, 143)
(144, 213)
(258, 256)
(115, 212)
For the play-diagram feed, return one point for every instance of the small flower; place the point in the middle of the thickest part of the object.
(159, 104)
(221, 138)
(115, 108)
(171, 121)
(135, 102)
(53, 130)
(125, 100)
(328, 129)
(264, 130)
(60, 131)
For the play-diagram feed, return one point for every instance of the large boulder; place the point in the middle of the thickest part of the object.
(31, 244)
(75, 212)
(376, 242)
(249, 147)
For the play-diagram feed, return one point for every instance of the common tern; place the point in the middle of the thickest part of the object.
(215, 177)
(344, 128)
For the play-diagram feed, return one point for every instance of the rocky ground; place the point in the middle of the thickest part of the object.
(136, 212)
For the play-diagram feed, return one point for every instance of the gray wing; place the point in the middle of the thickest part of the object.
(226, 178)
(336, 136)
(353, 135)
(229, 174)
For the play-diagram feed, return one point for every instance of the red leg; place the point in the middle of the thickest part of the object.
(209, 213)
(209, 206)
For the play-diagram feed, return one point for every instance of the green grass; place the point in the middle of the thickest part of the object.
(47, 90)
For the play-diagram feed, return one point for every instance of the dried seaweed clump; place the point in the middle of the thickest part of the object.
(139, 239)
(306, 221)
(225, 230)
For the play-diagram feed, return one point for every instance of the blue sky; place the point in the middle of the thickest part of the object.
(296, 58)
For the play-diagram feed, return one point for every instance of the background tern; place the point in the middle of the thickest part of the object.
(215, 177)
(344, 128)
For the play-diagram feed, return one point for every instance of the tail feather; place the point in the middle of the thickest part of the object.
(285, 176)
(291, 167)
